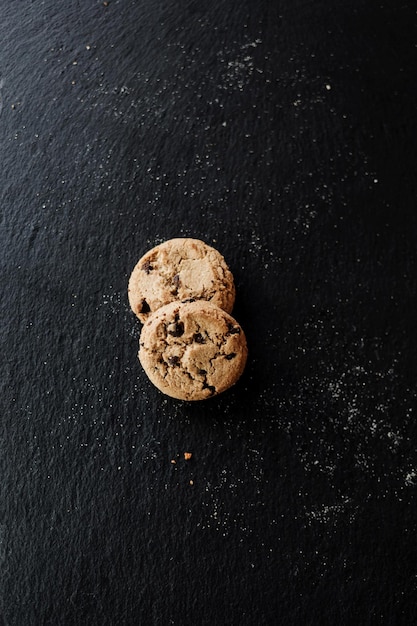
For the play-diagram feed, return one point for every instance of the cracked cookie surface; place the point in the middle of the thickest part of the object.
(178, 269)
(192, 350)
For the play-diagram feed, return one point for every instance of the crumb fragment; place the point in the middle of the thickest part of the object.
(191, 482)
(187, 455)
(173, 461)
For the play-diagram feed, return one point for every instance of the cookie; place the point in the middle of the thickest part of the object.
(176, 270)
(192, 350)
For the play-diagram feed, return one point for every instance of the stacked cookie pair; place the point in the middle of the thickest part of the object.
(190, 347)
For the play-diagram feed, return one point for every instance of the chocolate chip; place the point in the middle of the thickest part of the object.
(202, 372)
(230, 356)
(189, 300)
(147, 267)
(145, 308)
(210, 388)
(233, 330)
(175, 284)
(176, 329)
(198, 338)
(173, 360)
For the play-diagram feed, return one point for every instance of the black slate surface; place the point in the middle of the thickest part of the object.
(284, 134)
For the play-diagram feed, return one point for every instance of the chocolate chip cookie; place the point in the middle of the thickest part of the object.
(176, 270)
(192, 350)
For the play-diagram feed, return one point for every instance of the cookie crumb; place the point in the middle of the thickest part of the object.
(173, 461)
(187, 455)
(191, 482)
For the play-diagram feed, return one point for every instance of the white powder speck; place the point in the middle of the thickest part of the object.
(331, 513)
(410, 478)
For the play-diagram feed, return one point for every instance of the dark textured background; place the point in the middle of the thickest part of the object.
(284, 134)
